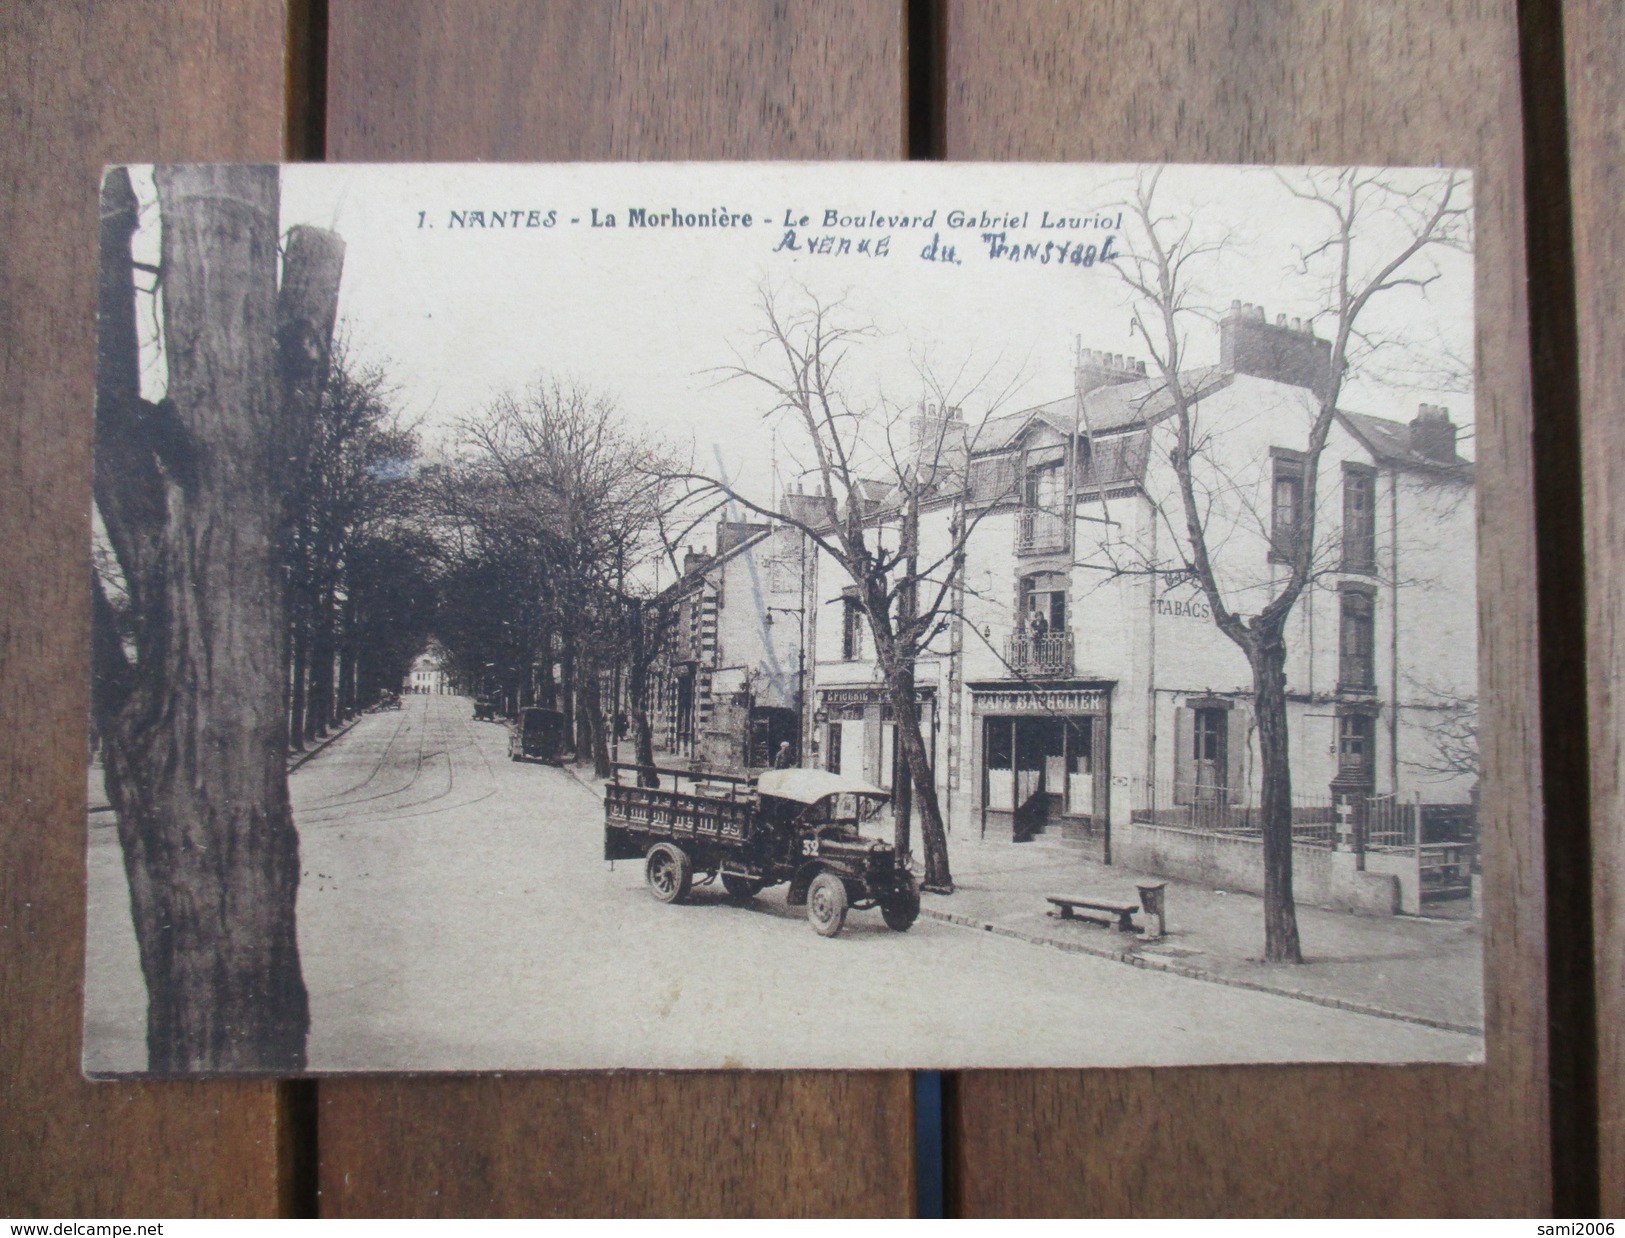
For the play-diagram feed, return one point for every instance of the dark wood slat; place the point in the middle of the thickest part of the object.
(1594, 34)
(86, 84)
(1316, 82)
(581, 80)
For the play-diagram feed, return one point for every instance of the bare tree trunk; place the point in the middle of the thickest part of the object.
(347, 659)
(1269, 700)
(196, 728)
(933, 835)
(591, 716)
(546, 692)
(296, 711)
(637, 691)
(567, 689)
(321, 666)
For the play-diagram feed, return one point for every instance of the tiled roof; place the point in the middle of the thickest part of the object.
(1390, 442)
(1116, 407)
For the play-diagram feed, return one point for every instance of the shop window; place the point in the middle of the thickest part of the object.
(1359, 518)
(833, 749)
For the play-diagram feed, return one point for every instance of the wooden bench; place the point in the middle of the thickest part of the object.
(1077, 907)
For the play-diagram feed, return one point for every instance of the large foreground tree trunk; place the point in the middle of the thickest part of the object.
(1269, 700)
(190, 492)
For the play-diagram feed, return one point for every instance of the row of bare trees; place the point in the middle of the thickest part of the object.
(547, 519)
(360, 563)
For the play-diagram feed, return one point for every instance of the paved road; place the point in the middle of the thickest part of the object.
(455, 914)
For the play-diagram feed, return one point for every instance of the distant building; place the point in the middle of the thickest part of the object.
(428, 675)
(729, 687)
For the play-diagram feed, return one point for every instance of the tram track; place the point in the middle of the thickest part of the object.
(432, 768)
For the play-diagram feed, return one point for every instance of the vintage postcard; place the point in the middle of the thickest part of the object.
(594, 617)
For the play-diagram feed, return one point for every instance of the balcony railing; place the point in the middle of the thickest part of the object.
(1040, 530)
(1049, 654)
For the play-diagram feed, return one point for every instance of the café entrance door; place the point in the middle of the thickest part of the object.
(1041, 770)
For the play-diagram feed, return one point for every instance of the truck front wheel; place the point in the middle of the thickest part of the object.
(901, 907)
(826, 904)
(668, 872)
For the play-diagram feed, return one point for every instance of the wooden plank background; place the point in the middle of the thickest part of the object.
(1595, 34)
(86, 85)
(500, 79)
(1239, 82)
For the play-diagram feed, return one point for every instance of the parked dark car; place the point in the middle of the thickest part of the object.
(538, 734)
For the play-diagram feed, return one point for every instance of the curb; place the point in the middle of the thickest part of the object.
(589, 783)
(292, 763)
(1174, 968)
(325, 741)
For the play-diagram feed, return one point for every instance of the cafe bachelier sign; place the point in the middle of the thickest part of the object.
(1039, 700)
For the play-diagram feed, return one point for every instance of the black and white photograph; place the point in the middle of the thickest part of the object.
(782, 616)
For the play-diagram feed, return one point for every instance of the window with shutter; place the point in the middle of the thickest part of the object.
(1184, 755)
(993, 481)
(1236, 753)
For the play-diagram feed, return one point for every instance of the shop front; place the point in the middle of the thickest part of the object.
(1044, 756)
(860, 733)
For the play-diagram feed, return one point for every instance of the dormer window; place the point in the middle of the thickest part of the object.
(1044, 520)
(1045, 486)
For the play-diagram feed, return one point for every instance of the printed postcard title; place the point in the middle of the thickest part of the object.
(1044, 236)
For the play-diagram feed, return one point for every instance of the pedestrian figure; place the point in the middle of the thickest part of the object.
(782, 759)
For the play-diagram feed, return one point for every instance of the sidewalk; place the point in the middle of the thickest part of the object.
(1421, 970)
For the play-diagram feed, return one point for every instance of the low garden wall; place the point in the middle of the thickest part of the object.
(1320, 878)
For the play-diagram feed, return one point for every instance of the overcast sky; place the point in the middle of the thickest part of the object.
(647, 314)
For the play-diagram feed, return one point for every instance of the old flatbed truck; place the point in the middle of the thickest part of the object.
(793, 825)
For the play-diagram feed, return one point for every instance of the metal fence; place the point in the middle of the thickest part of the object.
(1049, 653)
(1441, 840)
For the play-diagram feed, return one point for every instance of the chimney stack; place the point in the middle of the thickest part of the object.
(1286, 352)
(1096, 369)
(1433, 434)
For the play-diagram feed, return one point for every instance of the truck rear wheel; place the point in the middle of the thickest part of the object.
(740, 889)
(668, 872)
(901, 907)
(826, 904)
